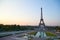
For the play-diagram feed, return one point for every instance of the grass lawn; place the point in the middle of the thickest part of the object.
(51, 34)
(32, 33)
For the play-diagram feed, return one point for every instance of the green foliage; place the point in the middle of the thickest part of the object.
(32, 33)
(50, 34)
(57, 28)
(14, 28)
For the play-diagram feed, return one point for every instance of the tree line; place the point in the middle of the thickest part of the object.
(15, 27)
(4, 28)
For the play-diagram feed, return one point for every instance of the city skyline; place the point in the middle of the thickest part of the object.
(28, 12)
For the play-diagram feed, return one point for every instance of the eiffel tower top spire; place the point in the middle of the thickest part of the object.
(41, 14)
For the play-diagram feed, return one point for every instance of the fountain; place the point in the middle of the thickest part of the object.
(41, 33)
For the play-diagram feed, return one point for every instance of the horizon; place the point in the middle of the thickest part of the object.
(27, 12)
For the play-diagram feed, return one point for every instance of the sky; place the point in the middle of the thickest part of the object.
(28, 12)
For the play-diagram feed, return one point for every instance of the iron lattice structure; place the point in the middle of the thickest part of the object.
(41, 20)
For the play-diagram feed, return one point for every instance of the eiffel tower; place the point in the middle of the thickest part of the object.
(41, 30)
(41, 20)
(41, 24)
